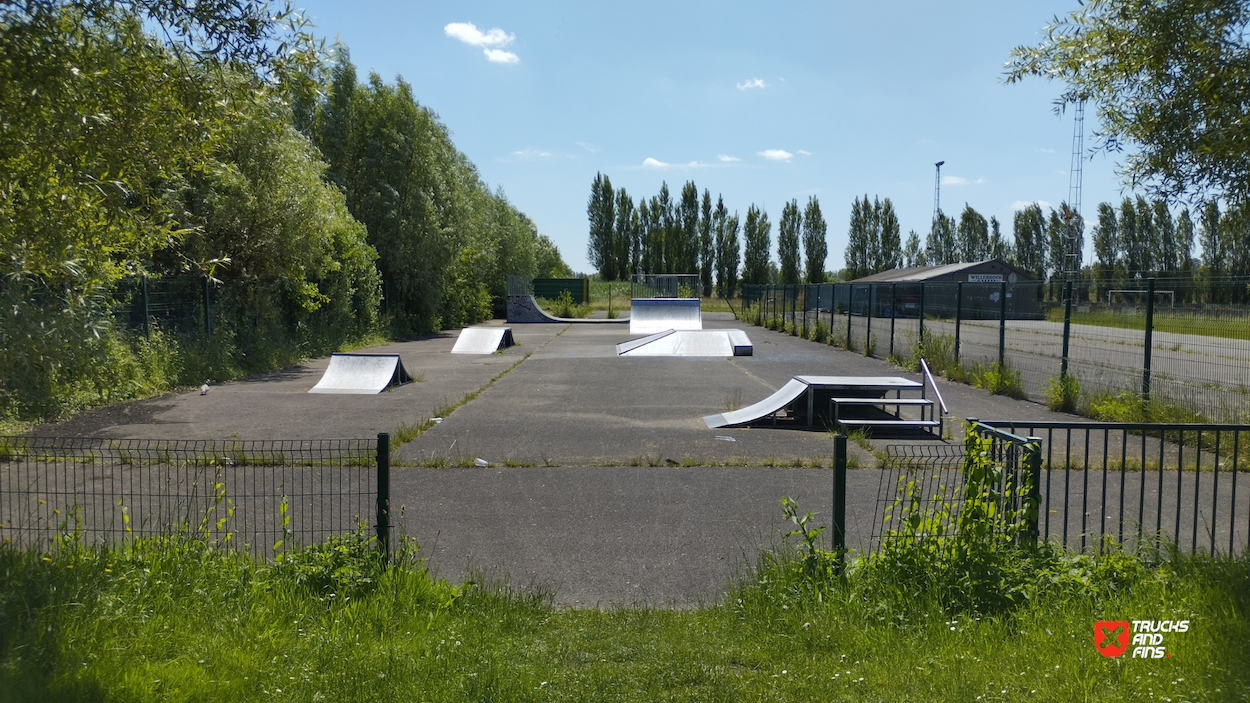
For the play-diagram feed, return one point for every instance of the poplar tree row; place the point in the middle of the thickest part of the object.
(661, 235)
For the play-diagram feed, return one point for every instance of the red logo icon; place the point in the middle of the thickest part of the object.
(1111, 637)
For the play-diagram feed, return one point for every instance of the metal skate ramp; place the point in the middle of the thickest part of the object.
(652, 315)
(524, 308)
(688, 343)
(483, 340)
(809, 398)
(362, 374)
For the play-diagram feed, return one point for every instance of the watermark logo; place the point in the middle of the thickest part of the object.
(1111, 637)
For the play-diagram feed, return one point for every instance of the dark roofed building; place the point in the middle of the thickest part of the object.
(897, 292)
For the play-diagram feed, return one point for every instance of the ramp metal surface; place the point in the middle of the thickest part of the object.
(792, 391)
(363, 374)
(524, 308)
(483, 340)
(688, 343)
(650, 315)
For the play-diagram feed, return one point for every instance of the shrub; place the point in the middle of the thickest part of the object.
(1062, 392)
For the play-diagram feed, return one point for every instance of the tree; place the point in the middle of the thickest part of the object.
(788, 242)
(1170, 79)
(912, 254)
(940, 248)
(1185, 241)
(707, 244)
(757, 233)
(667, 238)
(1166, 260)
(1029, 232)
(686, 243)
(622, 236)
(726, 229)
(889, 252)
(815, 244)
(1145, 244)
(599, 210)
(1213, 254)
(1130, 239)
(547, 260)
(999, 248)
(1106, 243)
(974, 241)
(1056, 246)
(857, 238)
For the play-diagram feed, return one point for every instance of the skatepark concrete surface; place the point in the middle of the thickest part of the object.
(604, 485)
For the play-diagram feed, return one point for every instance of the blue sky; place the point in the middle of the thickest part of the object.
(760, 103)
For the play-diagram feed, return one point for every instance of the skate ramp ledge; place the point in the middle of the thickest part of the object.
(362, 374)
(688, 343)
(651, 315)
(483, 340)
(788, 393)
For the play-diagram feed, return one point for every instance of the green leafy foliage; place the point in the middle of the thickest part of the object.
(1062, 392)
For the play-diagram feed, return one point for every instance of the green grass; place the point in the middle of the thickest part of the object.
(178, 620)
(407, 432)
(1164, 321)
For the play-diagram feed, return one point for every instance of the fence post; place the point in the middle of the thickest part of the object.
(384, 492)
(893, 313)
(839, 500)
(1150, 323)
(794, 306)
(1032, 470)
(208, 308)
(147, 318)
(1067, 328)
(959, 312)
(868, 324)
(920, 333)
(806, 289)
(1002, 324)
(850, 298)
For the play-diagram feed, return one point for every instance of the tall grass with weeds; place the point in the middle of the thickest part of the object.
(180, 618)
(1062, 393)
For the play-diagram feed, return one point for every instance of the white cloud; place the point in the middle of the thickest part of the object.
(960, 181)
(804, 152)
(725, 158)
(490, 40)
(1020, 204)
(470, 34)
(501, 56)
(775, 154)
(664, 165)
(592, 148)
(752, 83)
(531, 153)
(1046, 151)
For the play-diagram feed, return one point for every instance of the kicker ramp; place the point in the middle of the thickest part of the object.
(688, 343)
(523, 308)
(792, 391)
(651, 315)
(362, 374)
(483, 340)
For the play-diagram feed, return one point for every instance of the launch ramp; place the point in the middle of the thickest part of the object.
(483, 340)
(688, 343)
(363, 374)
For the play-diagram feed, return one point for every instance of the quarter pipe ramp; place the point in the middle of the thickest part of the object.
(652, 315)
(362, 374)
(523, 308)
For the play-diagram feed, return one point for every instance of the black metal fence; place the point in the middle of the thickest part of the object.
(258, 496)
(1185, 342)
(924, 487)
(1135, 484)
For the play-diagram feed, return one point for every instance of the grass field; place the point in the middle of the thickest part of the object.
(1164, 321)
(180, 620)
